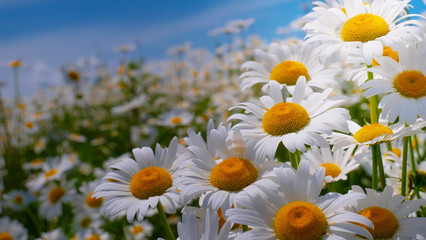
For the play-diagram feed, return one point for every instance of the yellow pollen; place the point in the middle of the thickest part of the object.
(29, 125)
(56, 194)
(137, 229)
(364, 27)
(288, 72)
(233, 174)
(300, 220)
(18, 199)
(284, 118)
(387, 52)
(150, 182)
(385, 222)
(22, 106)
(5, 236)
(411, 84)
(331, 169)
(176, 120)
(74, 76)
(93, 202)
(371, 131)
(85, 222)
(94, 237)
(50, 173)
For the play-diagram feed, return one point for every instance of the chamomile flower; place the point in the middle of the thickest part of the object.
(12, 229)
(139, 230)
(140, 185)
(403, 82)
(190, 228)
(17, 199)
(53, 169)
(84, 202)
(364, 26)
(371, 134)
(220, 183)
(337, 164)
(175, 118)
(389, 214)
(285, 65)
(53, 196)
(56, 234)
(296, 211)
(295, 122)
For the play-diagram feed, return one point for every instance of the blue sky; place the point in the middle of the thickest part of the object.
(46, 34)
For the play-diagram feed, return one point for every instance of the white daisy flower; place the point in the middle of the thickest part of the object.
(221, 182)
(175, 118)
(53, 169)
(365, 26)
(295, 122)
(84, 201)
(17, 199)
(53, 196)
(389, 214)
(297, 211)
(56, 234)
(371, 134)
(139, 230)
(96, 234)
(337, 164)
(142, 184)
(285, 65)
(403, 82)
(190, 228)
(12, 229)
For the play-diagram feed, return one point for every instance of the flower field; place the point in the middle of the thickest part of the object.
(321, 137)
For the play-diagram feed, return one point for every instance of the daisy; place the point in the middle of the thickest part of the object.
(285, 65)
(221, 182)
(84, 202)
(175, 118)
(364, 26)
(56, 234)
(142, 184)
(337, 164)
(12, 229)
(389, 214)
(295, 122)
(18, 199)
(190, 228)
(371, 134)
(53, 196)
(139, 230)
(403, 82)
(52, 170)
(296, 211)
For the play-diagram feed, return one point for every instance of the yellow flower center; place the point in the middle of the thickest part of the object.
(387, 52)
(300, 220)
(29, 125)
(85, 222)
(370, 132)
(176, 120)
(93, 202)
(395, 151)
(288, 72)
(56, 194)
(233, 174)
(73, 75)
(15, 63)
(137, 229)
(284, 118)
(94, 237)
(331, 169)
(50, 173)
(385, 222)
(5, 236)
(18, 199)
(150, 182)
(411, 84)
(364, 27)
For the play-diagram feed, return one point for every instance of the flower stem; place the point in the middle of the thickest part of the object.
(413, 161)
(404, 166)
(374, 180)
(293, 159)
(166, 225)
(373, 102)
(380, 165)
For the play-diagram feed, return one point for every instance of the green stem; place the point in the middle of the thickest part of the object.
(298, 157)
(417, 148)
(293, 159)
(380, 165)
(165, 223)
(413, 161)
(374, 180)
(374, 101)
(389, 146)
(404, 166)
